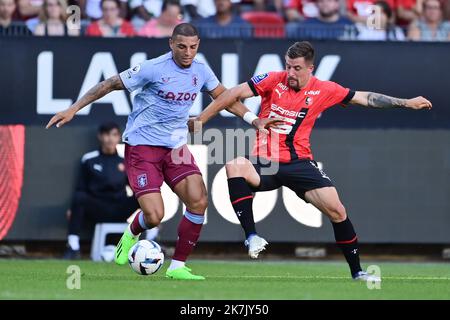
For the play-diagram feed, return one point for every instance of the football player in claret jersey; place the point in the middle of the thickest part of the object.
(155, 140)
(298, 98)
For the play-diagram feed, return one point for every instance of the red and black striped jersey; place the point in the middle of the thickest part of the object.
(298, 109)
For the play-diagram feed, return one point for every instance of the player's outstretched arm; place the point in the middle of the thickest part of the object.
(238, 109)
(95, 93)
(223, 99)
(381, 101)
(231, 101)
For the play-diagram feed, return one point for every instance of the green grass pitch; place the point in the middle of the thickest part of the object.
(46, 279)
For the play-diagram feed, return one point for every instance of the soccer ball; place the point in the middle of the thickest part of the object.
(146, 257)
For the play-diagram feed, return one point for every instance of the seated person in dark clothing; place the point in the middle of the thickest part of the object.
(225, 24)
(328, 25)
(100, 194)
(9, 27)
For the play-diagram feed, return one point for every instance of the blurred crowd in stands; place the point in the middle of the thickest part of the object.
(383, 20)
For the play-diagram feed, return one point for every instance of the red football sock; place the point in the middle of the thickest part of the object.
(188, 233)
(138, 225)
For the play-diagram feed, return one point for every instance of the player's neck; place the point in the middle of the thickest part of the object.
(433, 24)
(303, 86)
(108, 151)
(180, 65)
(224, 18)
(329, 19)
(5, 22)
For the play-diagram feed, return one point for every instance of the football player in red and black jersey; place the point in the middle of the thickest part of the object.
(297, 98)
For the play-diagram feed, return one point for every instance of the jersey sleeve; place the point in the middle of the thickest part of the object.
(138, 76)
(337, 94)
(262, 83)
(211, 81)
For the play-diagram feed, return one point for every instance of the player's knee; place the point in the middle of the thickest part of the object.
(232, 169)
(337, 212)
(200, 204)
(153, 217)
(236, 167)
(203, 203)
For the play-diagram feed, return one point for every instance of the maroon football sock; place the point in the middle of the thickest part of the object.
(188, 233)
(138, 224)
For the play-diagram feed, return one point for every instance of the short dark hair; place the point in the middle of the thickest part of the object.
(385, 7)
(167, 3)
(303, 49)
(117, 2)
(185, 29)
(107, 127)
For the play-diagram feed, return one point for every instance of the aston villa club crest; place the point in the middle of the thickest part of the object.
(194, 80)
(142, 180)
(308, 101)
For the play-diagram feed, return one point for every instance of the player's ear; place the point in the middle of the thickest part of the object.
(171, 43)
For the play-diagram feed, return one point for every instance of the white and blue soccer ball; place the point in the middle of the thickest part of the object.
(146, 257)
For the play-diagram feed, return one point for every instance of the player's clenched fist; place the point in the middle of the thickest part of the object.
(263, 124)
(419, 103)
(61, 118)
(194, 125)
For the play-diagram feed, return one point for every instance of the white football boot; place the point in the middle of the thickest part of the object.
(364, 276)
(255, 245)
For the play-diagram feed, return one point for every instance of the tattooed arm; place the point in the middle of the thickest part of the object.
(381, 101)
(95, 93)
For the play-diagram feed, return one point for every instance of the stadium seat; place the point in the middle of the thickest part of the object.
(101, 231)
(265, 24)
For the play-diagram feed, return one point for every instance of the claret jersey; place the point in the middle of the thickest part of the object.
(298, 109)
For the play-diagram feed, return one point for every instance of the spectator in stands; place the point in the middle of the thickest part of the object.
(143, 11)
(359, 10)
(299, 10)
(268, 5)
(29, 8)
(197, 9)
(225, 24)
(328, 25)
(8, 27)
(408, 11)
(111, 24)
(92, 9)
(100, 194)
(384, 28)
(430, 26)
(52, 20)
(447, 10)
(163, 26)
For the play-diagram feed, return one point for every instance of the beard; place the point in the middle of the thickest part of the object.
(328, 14)
(293, 83)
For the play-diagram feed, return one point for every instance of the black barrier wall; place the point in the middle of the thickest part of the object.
(391, 167)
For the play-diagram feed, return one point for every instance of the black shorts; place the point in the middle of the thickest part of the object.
(300, 176)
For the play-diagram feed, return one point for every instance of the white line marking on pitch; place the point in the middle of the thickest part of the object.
(329, 277)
